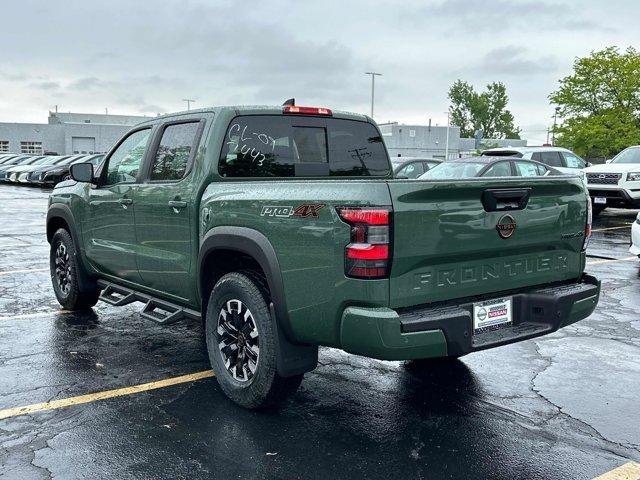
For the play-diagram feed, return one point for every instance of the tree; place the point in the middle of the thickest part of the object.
(472, 111)
(600, 103)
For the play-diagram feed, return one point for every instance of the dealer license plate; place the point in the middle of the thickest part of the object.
(600, 200)
(492, 314)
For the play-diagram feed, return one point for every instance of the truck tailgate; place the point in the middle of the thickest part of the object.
(482, 236)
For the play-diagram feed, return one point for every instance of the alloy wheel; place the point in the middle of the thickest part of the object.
(238, 340)
(63, 269)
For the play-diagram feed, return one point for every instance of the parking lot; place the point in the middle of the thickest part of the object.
(127, 398)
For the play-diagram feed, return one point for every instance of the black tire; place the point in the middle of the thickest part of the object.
(238, 323)
(65, 270)
(598, 209)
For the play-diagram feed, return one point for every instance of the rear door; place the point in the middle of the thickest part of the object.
(164, 210)
(447, 240)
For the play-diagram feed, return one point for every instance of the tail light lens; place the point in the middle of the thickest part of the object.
(587, 227)
(368, 255)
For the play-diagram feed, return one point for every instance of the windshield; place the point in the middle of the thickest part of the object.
(630, 155)
(454, 170)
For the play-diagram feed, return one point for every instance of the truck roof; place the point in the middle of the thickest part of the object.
(251, 110)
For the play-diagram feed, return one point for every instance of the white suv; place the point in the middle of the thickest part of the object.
(616, 183)
(561, 159)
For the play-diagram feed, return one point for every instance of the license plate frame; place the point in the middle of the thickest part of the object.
(600, 200)
(493, 314)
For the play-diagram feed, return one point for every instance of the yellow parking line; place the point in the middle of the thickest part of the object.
(628, 471)
(598, 262)
(612, 228)
(10, 272)
(93, 397)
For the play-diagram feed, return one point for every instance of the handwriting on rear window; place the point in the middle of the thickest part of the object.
(240, 141)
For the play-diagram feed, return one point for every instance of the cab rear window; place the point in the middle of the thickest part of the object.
(292, 146)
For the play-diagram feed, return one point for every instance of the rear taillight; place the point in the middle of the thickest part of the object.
(294, 109)
(587, 227)
(368, 255)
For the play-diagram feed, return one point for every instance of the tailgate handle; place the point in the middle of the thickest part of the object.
(498, 199)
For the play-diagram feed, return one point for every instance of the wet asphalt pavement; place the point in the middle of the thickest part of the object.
(562, 406)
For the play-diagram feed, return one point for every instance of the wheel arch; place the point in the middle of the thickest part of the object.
(293, 358)
(60, 216)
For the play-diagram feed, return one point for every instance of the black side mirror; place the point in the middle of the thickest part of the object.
(82, 172)
(589, 164)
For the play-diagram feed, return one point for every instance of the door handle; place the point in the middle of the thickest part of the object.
(177, 205)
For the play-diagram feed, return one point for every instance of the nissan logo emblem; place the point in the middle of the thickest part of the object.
(506, 226)
(602, 176)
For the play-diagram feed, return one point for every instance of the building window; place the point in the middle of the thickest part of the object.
(33, 148)
(4, 146)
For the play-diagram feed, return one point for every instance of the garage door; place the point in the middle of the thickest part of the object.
(83, 144)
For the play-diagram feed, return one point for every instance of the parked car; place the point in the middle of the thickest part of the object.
(616, 183)
(14, 173)
(51, 175)
(6, 157)
(288, 231)
(484, 166)
(19, 160)
(635, 237)
(412, 167)
(561, 159)
(25, 171)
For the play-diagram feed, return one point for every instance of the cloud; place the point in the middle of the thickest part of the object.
(45, 85)
(500, 15)
(513, 60)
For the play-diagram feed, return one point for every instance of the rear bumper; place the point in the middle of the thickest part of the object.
(447, 329)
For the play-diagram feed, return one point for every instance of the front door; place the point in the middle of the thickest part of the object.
(108, 227)
(164, 211)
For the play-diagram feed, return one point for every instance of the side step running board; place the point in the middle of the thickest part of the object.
(160, 311)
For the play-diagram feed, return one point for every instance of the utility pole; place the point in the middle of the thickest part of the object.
(553, 134)
(446, 148)
(189, 102)
(373, 87)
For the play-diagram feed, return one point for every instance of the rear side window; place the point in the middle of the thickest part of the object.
(291, 146)
(174, 151)
(529, 169)
(552, 159)
(500, 169)
(412, 170)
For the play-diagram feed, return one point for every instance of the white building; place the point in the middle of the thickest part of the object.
(66, 133)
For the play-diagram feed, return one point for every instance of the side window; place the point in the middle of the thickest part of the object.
(500, 169)
(174, 151)
(413, 170)
(125, 161)
(573, 161)
(527, 169)
(552, 159)
(430, 165)
(542, 170)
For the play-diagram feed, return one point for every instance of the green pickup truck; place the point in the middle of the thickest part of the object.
(283, 229)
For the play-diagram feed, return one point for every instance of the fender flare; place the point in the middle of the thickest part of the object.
(293, 358)
(85, 282)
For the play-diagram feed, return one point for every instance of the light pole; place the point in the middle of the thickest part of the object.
(446, 148)
(373, 87)
(189, 102)
(553, 134)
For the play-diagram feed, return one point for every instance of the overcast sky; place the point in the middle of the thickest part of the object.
(144, 57)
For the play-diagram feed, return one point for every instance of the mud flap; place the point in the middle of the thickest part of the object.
(292, 358)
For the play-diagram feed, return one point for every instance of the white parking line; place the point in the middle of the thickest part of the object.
(36, 315)
(598, 262)
(628, 225)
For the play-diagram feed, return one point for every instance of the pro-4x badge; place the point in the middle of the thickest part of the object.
(305, 210)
